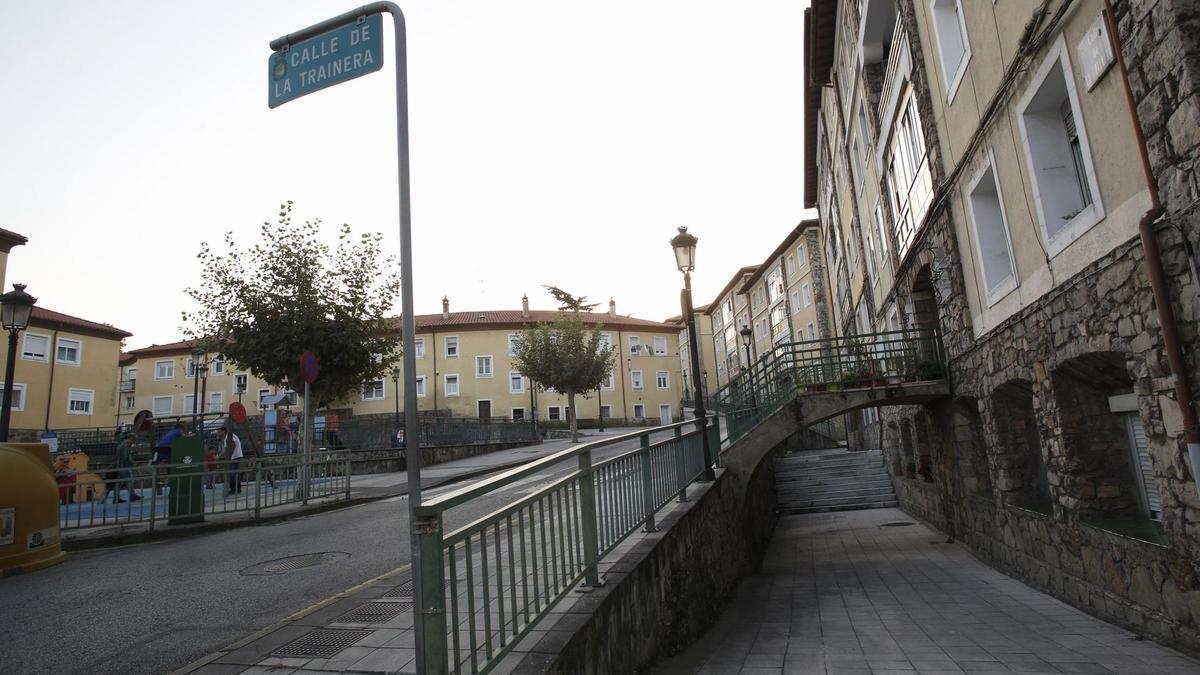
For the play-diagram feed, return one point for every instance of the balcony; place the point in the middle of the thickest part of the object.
(127, 386)
(898, 68)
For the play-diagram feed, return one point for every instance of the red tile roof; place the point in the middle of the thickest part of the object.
(9, 239)
(49, 318)
(182, 347)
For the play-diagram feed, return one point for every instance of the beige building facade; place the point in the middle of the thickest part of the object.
(726, 315)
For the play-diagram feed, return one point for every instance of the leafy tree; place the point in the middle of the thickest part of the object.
(565, 355)
(263, 306)
(570, 303)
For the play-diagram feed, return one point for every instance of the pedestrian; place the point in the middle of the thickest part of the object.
(124, 473)
(210, 465)
(231, 447)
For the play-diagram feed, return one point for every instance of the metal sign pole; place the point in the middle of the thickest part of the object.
(306, 473)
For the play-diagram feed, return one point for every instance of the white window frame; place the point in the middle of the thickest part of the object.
(45, 357)
(18, 403)
(1004, 286)
(635, 410)
(420, 386)
(220, 401)
(81, 395)
(130, 401)
(605, 412)
(512, 413)
(796, 302)
(446, 341)
(216, 366)
(261, 393)
(78, 354)
(635, 345)
(381, 388)
(519, 378)
(941, 24)
(188, 409)
(657, 340)
(609, 384)
(512, 338)
(1058, 57)
(157, 364)
(233, 387)
(170, 409)
(662, 380)
(446, 385)
(636, 381)
(554, 413)
(419, 348)
(491, 367)
(789, 264)
(801, 257)
(812, 330)
(805, 295)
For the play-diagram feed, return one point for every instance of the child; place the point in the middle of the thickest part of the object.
(210, 467)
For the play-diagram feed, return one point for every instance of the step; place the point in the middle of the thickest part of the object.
(845, 487)
(819, 483)
(835, 501)
(833, 473)
(827, 509)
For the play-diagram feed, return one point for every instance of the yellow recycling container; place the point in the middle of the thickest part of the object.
(29, 534)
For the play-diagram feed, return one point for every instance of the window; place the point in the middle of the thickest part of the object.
(554, 413)
(189, 403)
(802, 256)
(420, 386)
(450, 385)
(870, 255)
(953, 48)
(67, 353)
(419, 348)
(880, 231)
(162, 405)
(131, 374)
(635, 345)
(483, 366)
(991, 234)
(191, 368)
(373, 390)
(662, 380)
(606, 340)
(805, 295)
(216, 366)
(635, 377)
(774, 285)
(1056, 148)
(216, 401)
(451, 344)
(262, 394)
(909, 183)
(790, 264)
(130, 401)
(18, 397)
(856, 162)
(606, 412)
(608, 384)
(35, 347)
(779, 321)
(518, 414)
(760, 329)
(639, 410)
(79, 401)
(164, 370)
(795, 301)
(812, 331)
(516, 383)
(241, 382)
(660, 345)
(513, 340)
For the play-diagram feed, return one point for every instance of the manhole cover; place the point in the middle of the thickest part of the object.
(292, 563)
(322, 643)
(898, 523)
(373, 612)
(404, 590)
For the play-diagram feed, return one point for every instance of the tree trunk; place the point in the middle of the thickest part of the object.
(574, 417)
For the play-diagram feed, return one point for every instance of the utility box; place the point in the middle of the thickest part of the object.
(185, 503)
(29, 521)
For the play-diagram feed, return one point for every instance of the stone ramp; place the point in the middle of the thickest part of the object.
(833, 480)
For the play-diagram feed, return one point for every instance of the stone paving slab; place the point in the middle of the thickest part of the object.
(877, 593)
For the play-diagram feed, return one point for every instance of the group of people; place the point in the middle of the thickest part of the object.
(228, 446)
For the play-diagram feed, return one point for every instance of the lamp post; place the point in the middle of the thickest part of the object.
(396, 381)
(745, 332)
(15, 308)
(684, 245)
(203, 404)
(196, 354)
(600, 406)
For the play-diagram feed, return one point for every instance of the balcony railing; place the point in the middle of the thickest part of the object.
(127, 386)
(896, 53)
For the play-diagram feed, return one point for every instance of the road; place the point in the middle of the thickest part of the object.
(158, 606)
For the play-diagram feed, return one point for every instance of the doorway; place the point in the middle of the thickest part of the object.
(485, 410)
(664, 413)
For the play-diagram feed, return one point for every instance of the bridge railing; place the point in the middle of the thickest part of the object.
(852, 362)
(488, 583)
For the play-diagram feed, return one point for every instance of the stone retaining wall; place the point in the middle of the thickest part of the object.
(391, 460)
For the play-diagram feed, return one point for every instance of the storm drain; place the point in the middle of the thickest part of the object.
(292, 563)
(404, 590)
(373, 612)
(898, 523)
(322, 643)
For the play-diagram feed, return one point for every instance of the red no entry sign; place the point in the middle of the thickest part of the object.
(309, 368)
(237, 412)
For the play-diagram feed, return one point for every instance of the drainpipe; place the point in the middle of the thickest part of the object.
(50, 385)
(1158, 283)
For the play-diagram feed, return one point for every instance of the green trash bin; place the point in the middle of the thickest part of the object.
(185, 503)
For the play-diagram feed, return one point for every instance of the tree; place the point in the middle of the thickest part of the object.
(565, 356)
(263, 306)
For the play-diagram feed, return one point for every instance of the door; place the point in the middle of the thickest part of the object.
(664, 413)
(485, 410)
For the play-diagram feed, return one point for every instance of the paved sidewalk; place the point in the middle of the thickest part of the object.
(875, 592)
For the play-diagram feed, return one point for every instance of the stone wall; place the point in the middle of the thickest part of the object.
(388, 461)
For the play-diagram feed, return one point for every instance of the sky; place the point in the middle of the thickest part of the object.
(551, 142)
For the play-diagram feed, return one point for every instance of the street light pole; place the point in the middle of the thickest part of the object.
(745, 332)
(685, 258)
(196, 354)
(600, 406)
(396, 382)
(16, 306)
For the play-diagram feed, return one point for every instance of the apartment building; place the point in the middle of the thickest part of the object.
(726, 315)
(708, 363)
(164, 379)
(976, 167)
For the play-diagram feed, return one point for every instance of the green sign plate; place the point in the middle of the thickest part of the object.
(331, 58)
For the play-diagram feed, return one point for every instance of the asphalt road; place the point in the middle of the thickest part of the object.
(155, 607)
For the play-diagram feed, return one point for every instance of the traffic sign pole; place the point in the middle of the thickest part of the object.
(428, 597)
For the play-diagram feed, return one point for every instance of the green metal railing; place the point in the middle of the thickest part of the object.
(488, 583)
(833, 364)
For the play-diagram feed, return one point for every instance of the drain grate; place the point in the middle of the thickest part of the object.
(404, 590)
(373, 612)
(292, 563)
(898, 523)
(322, 643)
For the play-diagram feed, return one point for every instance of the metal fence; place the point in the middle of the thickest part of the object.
(145, 493)
(488, 583)
(361, 432)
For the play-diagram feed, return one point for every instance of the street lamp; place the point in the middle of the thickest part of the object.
(203, 388)
(684, 245)
(396, 381)
(196, 354)
(745, 332)
(16, 306)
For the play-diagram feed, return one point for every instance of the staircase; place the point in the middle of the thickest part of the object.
(833, 480)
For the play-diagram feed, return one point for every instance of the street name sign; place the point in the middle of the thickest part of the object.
(342, 54)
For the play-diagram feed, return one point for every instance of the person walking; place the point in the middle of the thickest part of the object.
(231, 445)
(124, 463)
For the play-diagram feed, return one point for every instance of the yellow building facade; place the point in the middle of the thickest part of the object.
(164, 380)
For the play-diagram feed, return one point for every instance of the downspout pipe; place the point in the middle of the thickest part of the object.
(1154, 266)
